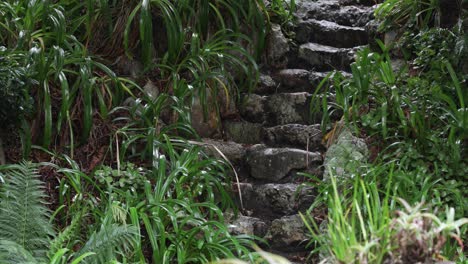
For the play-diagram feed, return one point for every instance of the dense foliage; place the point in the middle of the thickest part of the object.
(409, 99)
(125, 185)
(122, 183)
(14, 95)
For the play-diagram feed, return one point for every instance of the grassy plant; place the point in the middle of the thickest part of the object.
(197, 17)
(179, 205)
(361, 227)
(74, 88)
(183, 216)
(205, 47)
(60, 63)
(358, 219)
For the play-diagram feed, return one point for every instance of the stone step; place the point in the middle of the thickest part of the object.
(280, 164)
(253, 108)
(288, 234)
(289, 81)
(220, 149)
(274, 200)
(330, 33)
(244, 132)
(306, 137)
(296, 80)
(280, 109)
(299, 80)
(290, 135)
(266, 84)
(359, 2)
(285, 236)
(342, 12)
(277, 109)
(230, 150)
(246, 225)
(322, 57)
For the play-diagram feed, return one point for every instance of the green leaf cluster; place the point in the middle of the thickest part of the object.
(24, 241)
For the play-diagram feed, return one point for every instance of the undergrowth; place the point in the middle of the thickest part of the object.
(123, 183)
(108, 93)
(401, 206)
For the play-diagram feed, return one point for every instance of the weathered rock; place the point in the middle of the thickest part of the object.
(280, 109)
(253, 108)
(286, 108)
(151, 90)
(245, 225)
(315, 78)
(329, 33)
(295, 135)
(128, 67)
(233, 151)
(293, 80)
(347, 15)
(301, 80)
(341, 156)
(288, 231)
(266, 85)
(206, 126)
(294, 108)
(358, 2)
(273, 164)
(390, 37)
(243, 132)
(372, 29)
(247, 190)
(278, 47)
(398, 64)
(227, 105)
(326, 57)
(279, 199)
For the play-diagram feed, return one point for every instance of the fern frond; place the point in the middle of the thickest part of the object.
(110, 241)
(70, 232)
(24, 218)
(11, 252)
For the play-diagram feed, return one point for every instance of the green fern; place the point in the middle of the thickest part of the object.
(64, 238)
(26, 232)
(24, 218)
(110, 240)
(11, 252)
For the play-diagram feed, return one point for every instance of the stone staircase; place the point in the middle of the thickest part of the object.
(275, 136)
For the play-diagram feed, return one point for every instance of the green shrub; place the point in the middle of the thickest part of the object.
(178, 210)
(15, 99)
(429, 50)
(421, 119)
(419, 14)
(282, 12)
(182, 212)
(126, 178)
